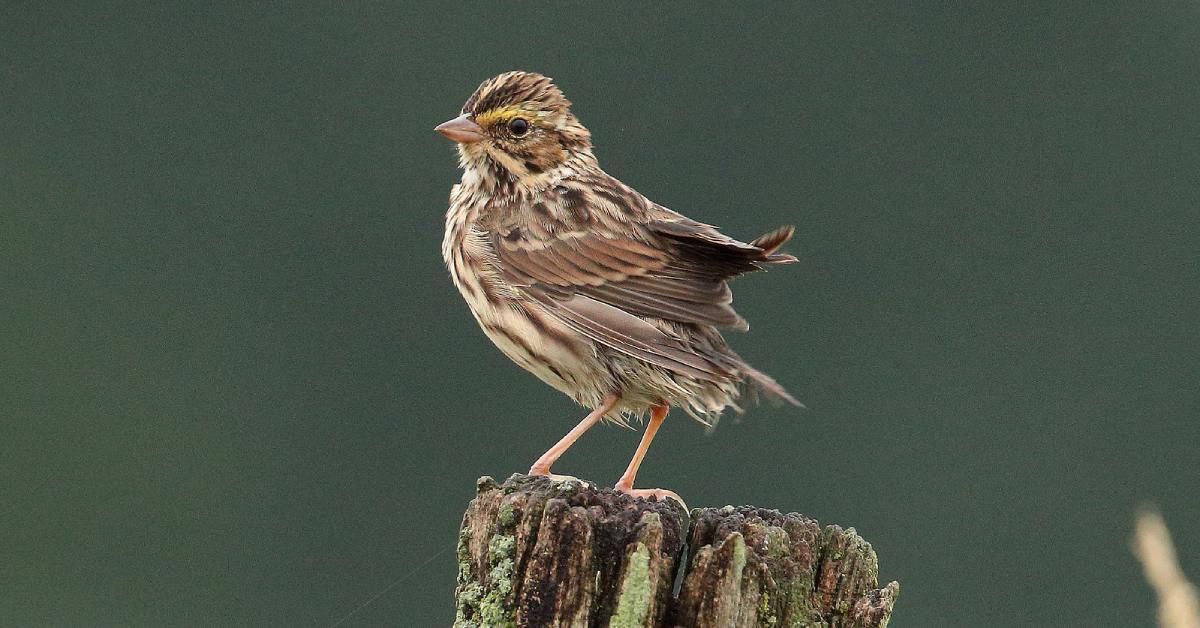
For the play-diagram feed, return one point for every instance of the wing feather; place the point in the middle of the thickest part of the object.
(603, 279)
(629, 334)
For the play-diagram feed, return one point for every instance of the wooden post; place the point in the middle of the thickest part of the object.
(537, 552)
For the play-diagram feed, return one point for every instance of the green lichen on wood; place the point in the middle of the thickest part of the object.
(798, 600)
(494, 609)
(486, 606)
(633, 605)
(739, 555)
(779, 544)
(488, 603)
(505, 516)
(766, 617)
(799, 603)
(468, 593)
(570, 485)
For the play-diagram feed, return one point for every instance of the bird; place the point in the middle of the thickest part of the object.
(601, 293)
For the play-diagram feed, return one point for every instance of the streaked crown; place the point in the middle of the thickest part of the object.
(527, 123)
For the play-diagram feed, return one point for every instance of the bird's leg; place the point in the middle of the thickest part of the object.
(542, 466)
(625, 484)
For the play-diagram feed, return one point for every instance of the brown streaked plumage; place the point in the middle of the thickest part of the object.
(598, 291)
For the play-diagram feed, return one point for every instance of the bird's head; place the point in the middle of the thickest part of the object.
(519, 125)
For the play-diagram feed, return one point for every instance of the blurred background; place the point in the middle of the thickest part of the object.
(238, 388)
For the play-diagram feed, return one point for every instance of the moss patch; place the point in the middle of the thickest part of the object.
(739, 554)
(636, 592)
(765, 616)
(506, 516)
(482, 605)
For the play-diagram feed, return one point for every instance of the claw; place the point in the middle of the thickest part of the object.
(659, 493)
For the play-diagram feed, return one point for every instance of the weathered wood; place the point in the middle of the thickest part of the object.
(538, 552)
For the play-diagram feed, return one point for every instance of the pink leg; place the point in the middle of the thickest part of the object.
(625, 484)
(542, 466)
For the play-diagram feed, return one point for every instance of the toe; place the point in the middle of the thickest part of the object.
(561, 478)
(658, 493)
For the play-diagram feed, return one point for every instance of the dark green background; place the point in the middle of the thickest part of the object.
(238, 388)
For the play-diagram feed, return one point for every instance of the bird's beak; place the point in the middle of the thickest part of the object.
(461, 129)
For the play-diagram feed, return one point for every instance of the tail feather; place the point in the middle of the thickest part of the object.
(727, 358)
(769, 385)
(771, 241)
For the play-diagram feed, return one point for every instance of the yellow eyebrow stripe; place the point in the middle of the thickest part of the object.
(499, 115)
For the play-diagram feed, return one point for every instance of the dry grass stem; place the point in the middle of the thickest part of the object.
(1178, 602)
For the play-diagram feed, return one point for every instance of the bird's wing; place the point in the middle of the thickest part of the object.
(602, 261)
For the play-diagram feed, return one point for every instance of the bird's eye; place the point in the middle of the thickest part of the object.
(518, 126)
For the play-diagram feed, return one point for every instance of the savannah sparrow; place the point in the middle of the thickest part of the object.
(595, 289)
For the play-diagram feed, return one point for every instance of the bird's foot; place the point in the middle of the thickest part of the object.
(658, 493)
(545, 473)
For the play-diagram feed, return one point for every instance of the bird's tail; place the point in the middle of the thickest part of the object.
(726, 357)
(769, 385)
(771, 241)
